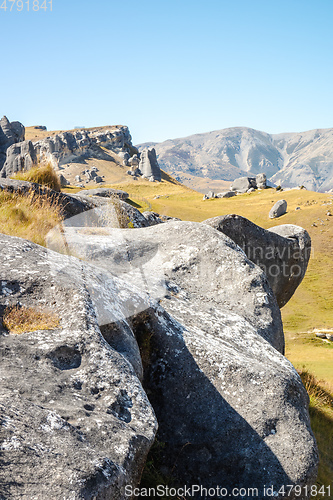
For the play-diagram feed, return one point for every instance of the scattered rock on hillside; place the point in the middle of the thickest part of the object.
(227, 194)
(280, 208)
(149, 166)
(10, 133)
(282, 252)
(261, 181)
(76, 422)
(105, 193)
(243, 184)
(63, 181)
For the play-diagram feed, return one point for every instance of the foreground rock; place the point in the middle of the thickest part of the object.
(232, 410)
(282, 252)
(75, 421)
(280, 208)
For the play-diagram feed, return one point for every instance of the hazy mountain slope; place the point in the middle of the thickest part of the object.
(291, 159)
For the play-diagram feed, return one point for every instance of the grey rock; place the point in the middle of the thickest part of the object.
(282, 252)
(74, 415)
(149, 166)
(261, 181)
(211, 253)
(329, 336)
(124, 155)
(280, 208)
(19, 156)
(105, 193)
(70, 205)
(98, 179)
(134, 161)
(78, 178)
(40, 127)
(227, 194)
(63, 181)
(251, 190)
(153, 218)
(10, 133)
(232, 410)
(243, 184)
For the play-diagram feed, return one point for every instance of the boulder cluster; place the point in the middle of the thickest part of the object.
(240, 186)
(168, 331)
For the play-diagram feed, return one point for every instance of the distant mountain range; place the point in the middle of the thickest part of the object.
(288, 159)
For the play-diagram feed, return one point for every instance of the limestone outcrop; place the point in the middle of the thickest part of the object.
(282, 252)
(20, 156)
(149, 166)
(10, 133)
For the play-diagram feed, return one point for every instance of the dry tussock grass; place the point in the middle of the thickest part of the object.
(42, 174)
(30, 217)
(21, 319)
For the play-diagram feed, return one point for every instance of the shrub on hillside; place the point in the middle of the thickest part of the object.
(42, 174)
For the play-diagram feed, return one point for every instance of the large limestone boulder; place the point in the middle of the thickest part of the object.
(221, 276)
(261, 181)
(280, 208)
(232, 410)
(243, 184)
(282, 252)
(20, 156)
(149, 166)
(75, 421)
(10, 133)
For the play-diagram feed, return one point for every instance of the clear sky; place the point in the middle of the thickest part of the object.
(170, 68)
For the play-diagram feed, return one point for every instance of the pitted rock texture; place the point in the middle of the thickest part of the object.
(282, 252)
(74, 419)
(105, 193)
(20, 156)
(10, 133)
(203, 265)
(69, 146)
(231, 409)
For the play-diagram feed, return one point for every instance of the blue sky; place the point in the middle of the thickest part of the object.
(169, 68)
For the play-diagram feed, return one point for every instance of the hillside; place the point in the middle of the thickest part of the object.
(289, 159)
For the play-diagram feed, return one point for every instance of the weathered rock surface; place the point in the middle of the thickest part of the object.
(63, 181)
(19, 156)
(105, 193)
(227, 194)
(74, 419)
(149, 166)
(154, 218)
(68, 146)
(282, 252)
(211, 268)
(243, 184)
(232, 410)
(261, 181)
(10, 133)
(280, 208)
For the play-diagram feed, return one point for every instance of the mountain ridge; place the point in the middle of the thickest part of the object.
(288, 158)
